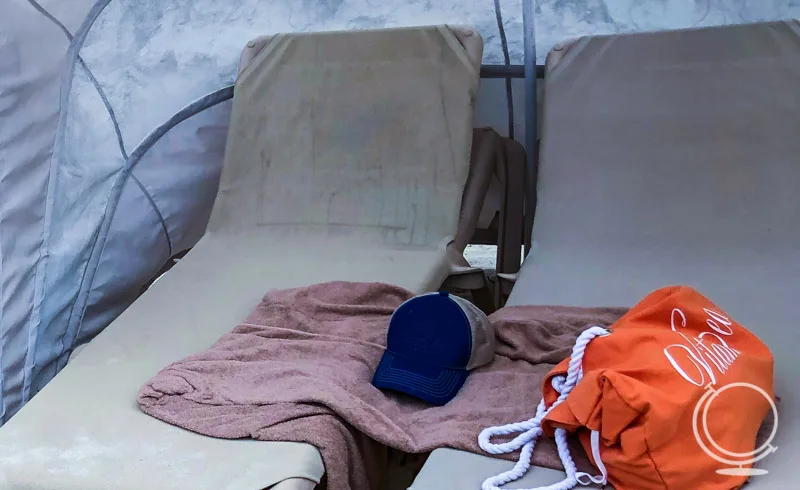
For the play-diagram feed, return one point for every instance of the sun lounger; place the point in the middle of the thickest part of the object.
(347, 157)
(669, 158)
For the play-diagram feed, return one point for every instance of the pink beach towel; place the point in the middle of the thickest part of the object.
(299, 369)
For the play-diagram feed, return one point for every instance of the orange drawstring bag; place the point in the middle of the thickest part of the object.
(671, 397)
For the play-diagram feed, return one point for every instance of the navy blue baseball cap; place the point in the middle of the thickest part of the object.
(434, 340)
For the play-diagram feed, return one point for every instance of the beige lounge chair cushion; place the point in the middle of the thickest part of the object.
(302, 200)
(667, 158)
(346, 133)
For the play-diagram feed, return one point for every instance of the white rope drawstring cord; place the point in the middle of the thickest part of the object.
(531, 429)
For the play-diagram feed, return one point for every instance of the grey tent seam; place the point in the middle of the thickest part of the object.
(3, 406)
(135, 157)
(107, 104)
(124, 153)
(199, 105)
(28, 367)
(112, 116)
(40, 271)
(92, 78)
(155, 208)
(51, 17)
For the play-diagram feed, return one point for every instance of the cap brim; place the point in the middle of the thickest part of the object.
(433, 384)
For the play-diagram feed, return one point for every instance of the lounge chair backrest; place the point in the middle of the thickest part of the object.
(670, 158)
(361, 133)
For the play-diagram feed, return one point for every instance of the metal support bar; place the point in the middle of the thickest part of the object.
(510, 71)
(502, 71)
(531, 117)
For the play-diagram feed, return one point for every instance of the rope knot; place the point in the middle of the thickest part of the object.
(531, 429)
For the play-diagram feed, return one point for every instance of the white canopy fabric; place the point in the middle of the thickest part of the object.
(113, 120)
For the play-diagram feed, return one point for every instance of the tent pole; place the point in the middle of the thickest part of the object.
(531, 117)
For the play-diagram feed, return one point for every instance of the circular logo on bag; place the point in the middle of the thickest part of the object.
(736, 461)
